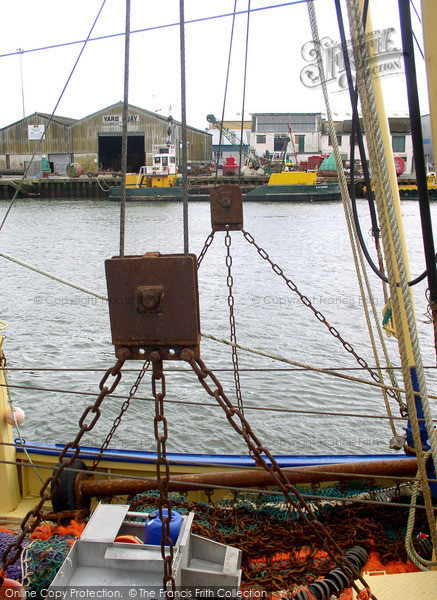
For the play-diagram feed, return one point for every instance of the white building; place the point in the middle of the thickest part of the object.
(309, 136)
(271, 130)
(400, 134)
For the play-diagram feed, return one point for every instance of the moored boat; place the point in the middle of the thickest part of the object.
(295, 186)
(409, 191)
(155, 182)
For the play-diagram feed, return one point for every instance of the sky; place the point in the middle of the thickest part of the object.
(274, 65)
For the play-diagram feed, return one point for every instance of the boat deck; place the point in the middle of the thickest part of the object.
(404, 586)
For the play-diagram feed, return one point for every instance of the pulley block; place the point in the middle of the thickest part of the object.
(154, 304)
(226, 208)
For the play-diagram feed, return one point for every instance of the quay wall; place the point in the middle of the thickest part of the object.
(58, 187)
(98, 187)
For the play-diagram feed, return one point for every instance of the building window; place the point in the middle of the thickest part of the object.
(398, 143)
(338, 140)
(300, 141)
(279, 142)
(260, 139)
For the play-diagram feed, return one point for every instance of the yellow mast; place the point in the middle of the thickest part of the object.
(429, 25)
(388, 150)
(9, 488)
(393, 237)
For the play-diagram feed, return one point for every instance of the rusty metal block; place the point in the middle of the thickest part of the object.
(154, 304)
(226, 208)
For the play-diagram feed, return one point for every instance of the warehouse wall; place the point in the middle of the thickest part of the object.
(79, 138)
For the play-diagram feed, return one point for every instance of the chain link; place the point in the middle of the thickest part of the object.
(266, 460)
(233, 336)
(319, 316)
(162, 464)
(207, 244)
(117, 420)
(34, 517)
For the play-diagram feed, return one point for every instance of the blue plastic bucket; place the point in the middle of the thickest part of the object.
(153, 530)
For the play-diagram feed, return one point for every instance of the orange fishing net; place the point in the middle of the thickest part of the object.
(374, 564)
(320, 559)
(46, 530)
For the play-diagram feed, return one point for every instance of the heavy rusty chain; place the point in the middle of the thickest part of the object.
(233, 336)
(117, 420)
(162, 463)
(207, 244)
(34, 516)
(320, 317)
(260, 454)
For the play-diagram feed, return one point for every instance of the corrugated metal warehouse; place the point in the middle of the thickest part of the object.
(95, 141)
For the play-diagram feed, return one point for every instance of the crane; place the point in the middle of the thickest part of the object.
(294, 146)
(249, 152)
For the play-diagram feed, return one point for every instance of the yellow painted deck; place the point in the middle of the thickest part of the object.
(293, 178)
(403, 586)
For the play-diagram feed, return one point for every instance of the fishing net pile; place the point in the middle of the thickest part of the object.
(7, 538)
(43, 556)
(281, 552)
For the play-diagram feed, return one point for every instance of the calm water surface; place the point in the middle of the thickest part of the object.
(54, 327)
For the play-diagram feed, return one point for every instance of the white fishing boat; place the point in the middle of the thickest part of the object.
(158, 181)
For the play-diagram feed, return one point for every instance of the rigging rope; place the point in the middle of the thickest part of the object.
(308, 367)
(184, 127)
(224, 369)
(104, 189)
(224, 105)
(54, 277)
(14, 417)
(326, 371)
(124, 132)
(193, 403)
(165, 26)
(395, 264)
(419, 159)
(244, 92)
(51, 116)
(424, 565)
(353, 237)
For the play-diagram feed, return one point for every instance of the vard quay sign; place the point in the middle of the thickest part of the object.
(118, 119)
(385, 58)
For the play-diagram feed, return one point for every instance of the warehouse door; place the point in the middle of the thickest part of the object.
(110, 152)
(59, 163)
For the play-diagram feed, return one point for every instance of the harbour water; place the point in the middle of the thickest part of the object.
(58, 338)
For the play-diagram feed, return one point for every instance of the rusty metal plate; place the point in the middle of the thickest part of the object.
(226, 208)
(154, 304)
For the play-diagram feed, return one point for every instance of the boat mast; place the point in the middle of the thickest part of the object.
(419, 156)
(390, 216)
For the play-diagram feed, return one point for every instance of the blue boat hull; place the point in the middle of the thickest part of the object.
(207, 460)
